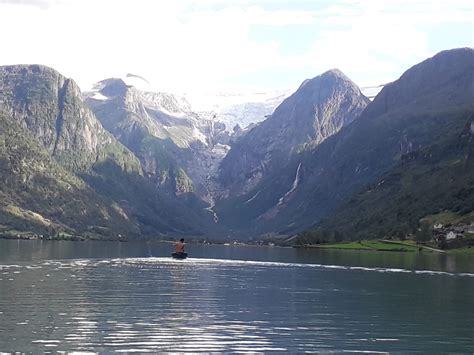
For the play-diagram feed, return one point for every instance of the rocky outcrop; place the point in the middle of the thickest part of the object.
(179, 150)
(51, 107)
(39, 195)
(316, 111)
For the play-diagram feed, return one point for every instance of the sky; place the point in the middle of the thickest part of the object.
(233, 45)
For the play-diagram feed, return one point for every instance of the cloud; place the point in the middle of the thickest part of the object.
(43, 4)
(209, 44)
(374, 42)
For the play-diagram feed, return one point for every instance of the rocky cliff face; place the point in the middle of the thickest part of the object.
(51, 107)
(64, 173)
(178, 150)
(38, 194)
(317, 110)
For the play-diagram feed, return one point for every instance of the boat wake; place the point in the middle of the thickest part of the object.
(191, 262)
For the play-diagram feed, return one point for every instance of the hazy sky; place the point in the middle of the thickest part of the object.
(218, 45)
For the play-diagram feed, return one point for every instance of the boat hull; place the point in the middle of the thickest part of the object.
(179, 255)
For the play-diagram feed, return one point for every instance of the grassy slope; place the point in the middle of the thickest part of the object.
(376, 245)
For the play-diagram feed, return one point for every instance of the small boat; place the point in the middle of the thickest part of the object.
(179, 255)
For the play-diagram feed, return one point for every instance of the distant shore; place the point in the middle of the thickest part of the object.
(384, 246)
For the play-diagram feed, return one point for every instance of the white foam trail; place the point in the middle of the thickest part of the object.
(365, 351)
(45, 341)
(230, 262)
(80, 263)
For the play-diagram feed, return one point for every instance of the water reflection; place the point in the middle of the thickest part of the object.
(23, 250)
(210, 305)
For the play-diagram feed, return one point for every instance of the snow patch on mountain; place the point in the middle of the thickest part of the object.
(231, 108)
(242, 109)
(371, 91)
(98, 96)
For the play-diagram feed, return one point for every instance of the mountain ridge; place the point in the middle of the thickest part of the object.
(358, 154)
(47, 110)
(147, 164)
(317, 110)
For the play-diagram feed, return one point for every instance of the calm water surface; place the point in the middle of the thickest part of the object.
(131, 297)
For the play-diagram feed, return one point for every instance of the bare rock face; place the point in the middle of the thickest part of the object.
(178, 150)
(51, 107)
(316, 111)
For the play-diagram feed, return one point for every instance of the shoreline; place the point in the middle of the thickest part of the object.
(384, 246)
(364, 245)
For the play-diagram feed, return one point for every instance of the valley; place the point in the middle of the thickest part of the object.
(121, 161)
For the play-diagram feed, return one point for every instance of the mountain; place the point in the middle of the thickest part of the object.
(127, 161)
(177, 148)
(431, 101)
(426, 157)
(433, 184)
(64, 168)
(317, 110)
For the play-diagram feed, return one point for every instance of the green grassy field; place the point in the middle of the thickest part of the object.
(345, 245)
(382, 245)
(376, 245)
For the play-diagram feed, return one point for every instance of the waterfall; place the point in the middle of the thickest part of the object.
(293, 187)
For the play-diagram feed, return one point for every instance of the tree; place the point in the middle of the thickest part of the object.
(423, 234)
(324, 236)
(338, 237)
(401, 235)
(442, 243)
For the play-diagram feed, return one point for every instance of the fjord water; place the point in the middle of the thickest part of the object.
(126, 297)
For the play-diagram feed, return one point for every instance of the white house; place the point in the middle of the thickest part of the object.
(451, 235)
(438, 226)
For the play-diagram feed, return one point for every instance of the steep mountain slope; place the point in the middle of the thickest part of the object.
(317, 110)
(177, 149)
(431, 181)
(37, 194)
(80, 167)
(51, 107)
(406, 116)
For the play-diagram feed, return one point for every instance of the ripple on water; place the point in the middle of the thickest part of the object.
(190, 262)
(210, 305)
